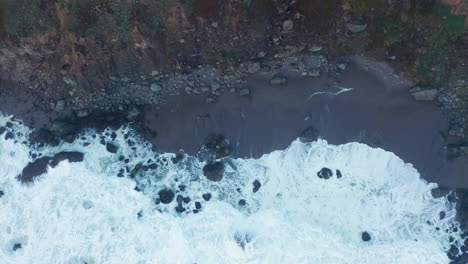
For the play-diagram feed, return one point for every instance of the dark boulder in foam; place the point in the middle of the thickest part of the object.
(34, 169)
(325, 173)
(70, 156)
(365, 236)
(214, 171)
(43, 137)
(338, 174)
(39, 166)
(2, 130)
(166, 196)
(309, 134)
(256, 185)
(111, 148)
(206, 196)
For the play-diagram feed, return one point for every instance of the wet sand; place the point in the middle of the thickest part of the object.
(379, 111)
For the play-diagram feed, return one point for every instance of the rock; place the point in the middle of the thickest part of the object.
(424, 94)
(69, 81)
(166, 196)
(256, 185)
(214, 171)
(60, 106)
(73, 156)
(62, 128)
(43, 137)
(342, 66)
(9, 135)
(2, 130)
(325, 173)
(197, 205)
(356, 28)
(253, 67)
(315, 48)
(88, 205)
(338, 174)
(133, 113)
(442, 215)
(453, 252)
(111, 148)
(242, 202)
(1, 193)
(180, 208)
(278, 79)
(82, 113)
(155, 87)
(309, 134)
(314, 62)
(365, 236)
(288, 25)
(218, 145)
(206, 196)
(244, 92)
(17, 246)
(33, 170)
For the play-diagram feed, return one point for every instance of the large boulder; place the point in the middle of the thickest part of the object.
(424, 93)
(214, 171)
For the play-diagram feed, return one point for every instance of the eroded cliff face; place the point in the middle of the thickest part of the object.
(73, 48)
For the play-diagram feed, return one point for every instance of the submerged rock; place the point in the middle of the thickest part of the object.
(214, 171)
(17, 246)
(338, 174)
(166, 196)
(206, 196)
(33, 170)
(1, 193)
(325, 173)
(70, 156)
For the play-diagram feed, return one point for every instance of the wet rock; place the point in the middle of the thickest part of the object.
(180, 208)
(182, 187)
(424, 93)
(82, 113)
(256, 185)
(217, 145)
(356, 28)
(456, 150)
(166, 196)
(111, 148)
(9, 135)
(325, 173)
(278, 79)
(365, 236)
(244, 92)
(70, 156)
(214, 171)
(133, 113)
(2, 130)
(179, 198)
(1, 193)
(198, 205)
(62, 128)
(155, 87)
(338, 174)
(442, 215)
(60, 106)
(242, 202)
(187, 200)
(17, 246)
(288, 25)
(453, 252)
(43, 137)
(140, 214)
(33, 170)
(206, 196)
(253, 67)
(309, 134)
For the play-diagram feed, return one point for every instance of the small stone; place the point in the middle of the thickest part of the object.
(356, 28)
(314, 73)
(206, 196)
(244, 92)
(154, 73)
(442, 215)
(16, 246)
(242, 202)
(1, 193)
(180, 208)
(261, 54)
(214, 24)
(69, 81)
(338, 174)
(155, 87)
(82, 113)
(198, 205)
(365, 236)
(60, 106)
(424, 94)
(278, 79)
(315, 48)
(288, 25)
(253, 67)
(325, 173)
(342, 66)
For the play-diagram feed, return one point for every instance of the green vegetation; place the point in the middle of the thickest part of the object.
(25, 17)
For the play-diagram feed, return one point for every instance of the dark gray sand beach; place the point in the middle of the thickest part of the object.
(374, 108)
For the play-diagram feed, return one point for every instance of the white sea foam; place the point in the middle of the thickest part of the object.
(83, 213)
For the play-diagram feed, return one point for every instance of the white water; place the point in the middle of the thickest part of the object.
(83, 213)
